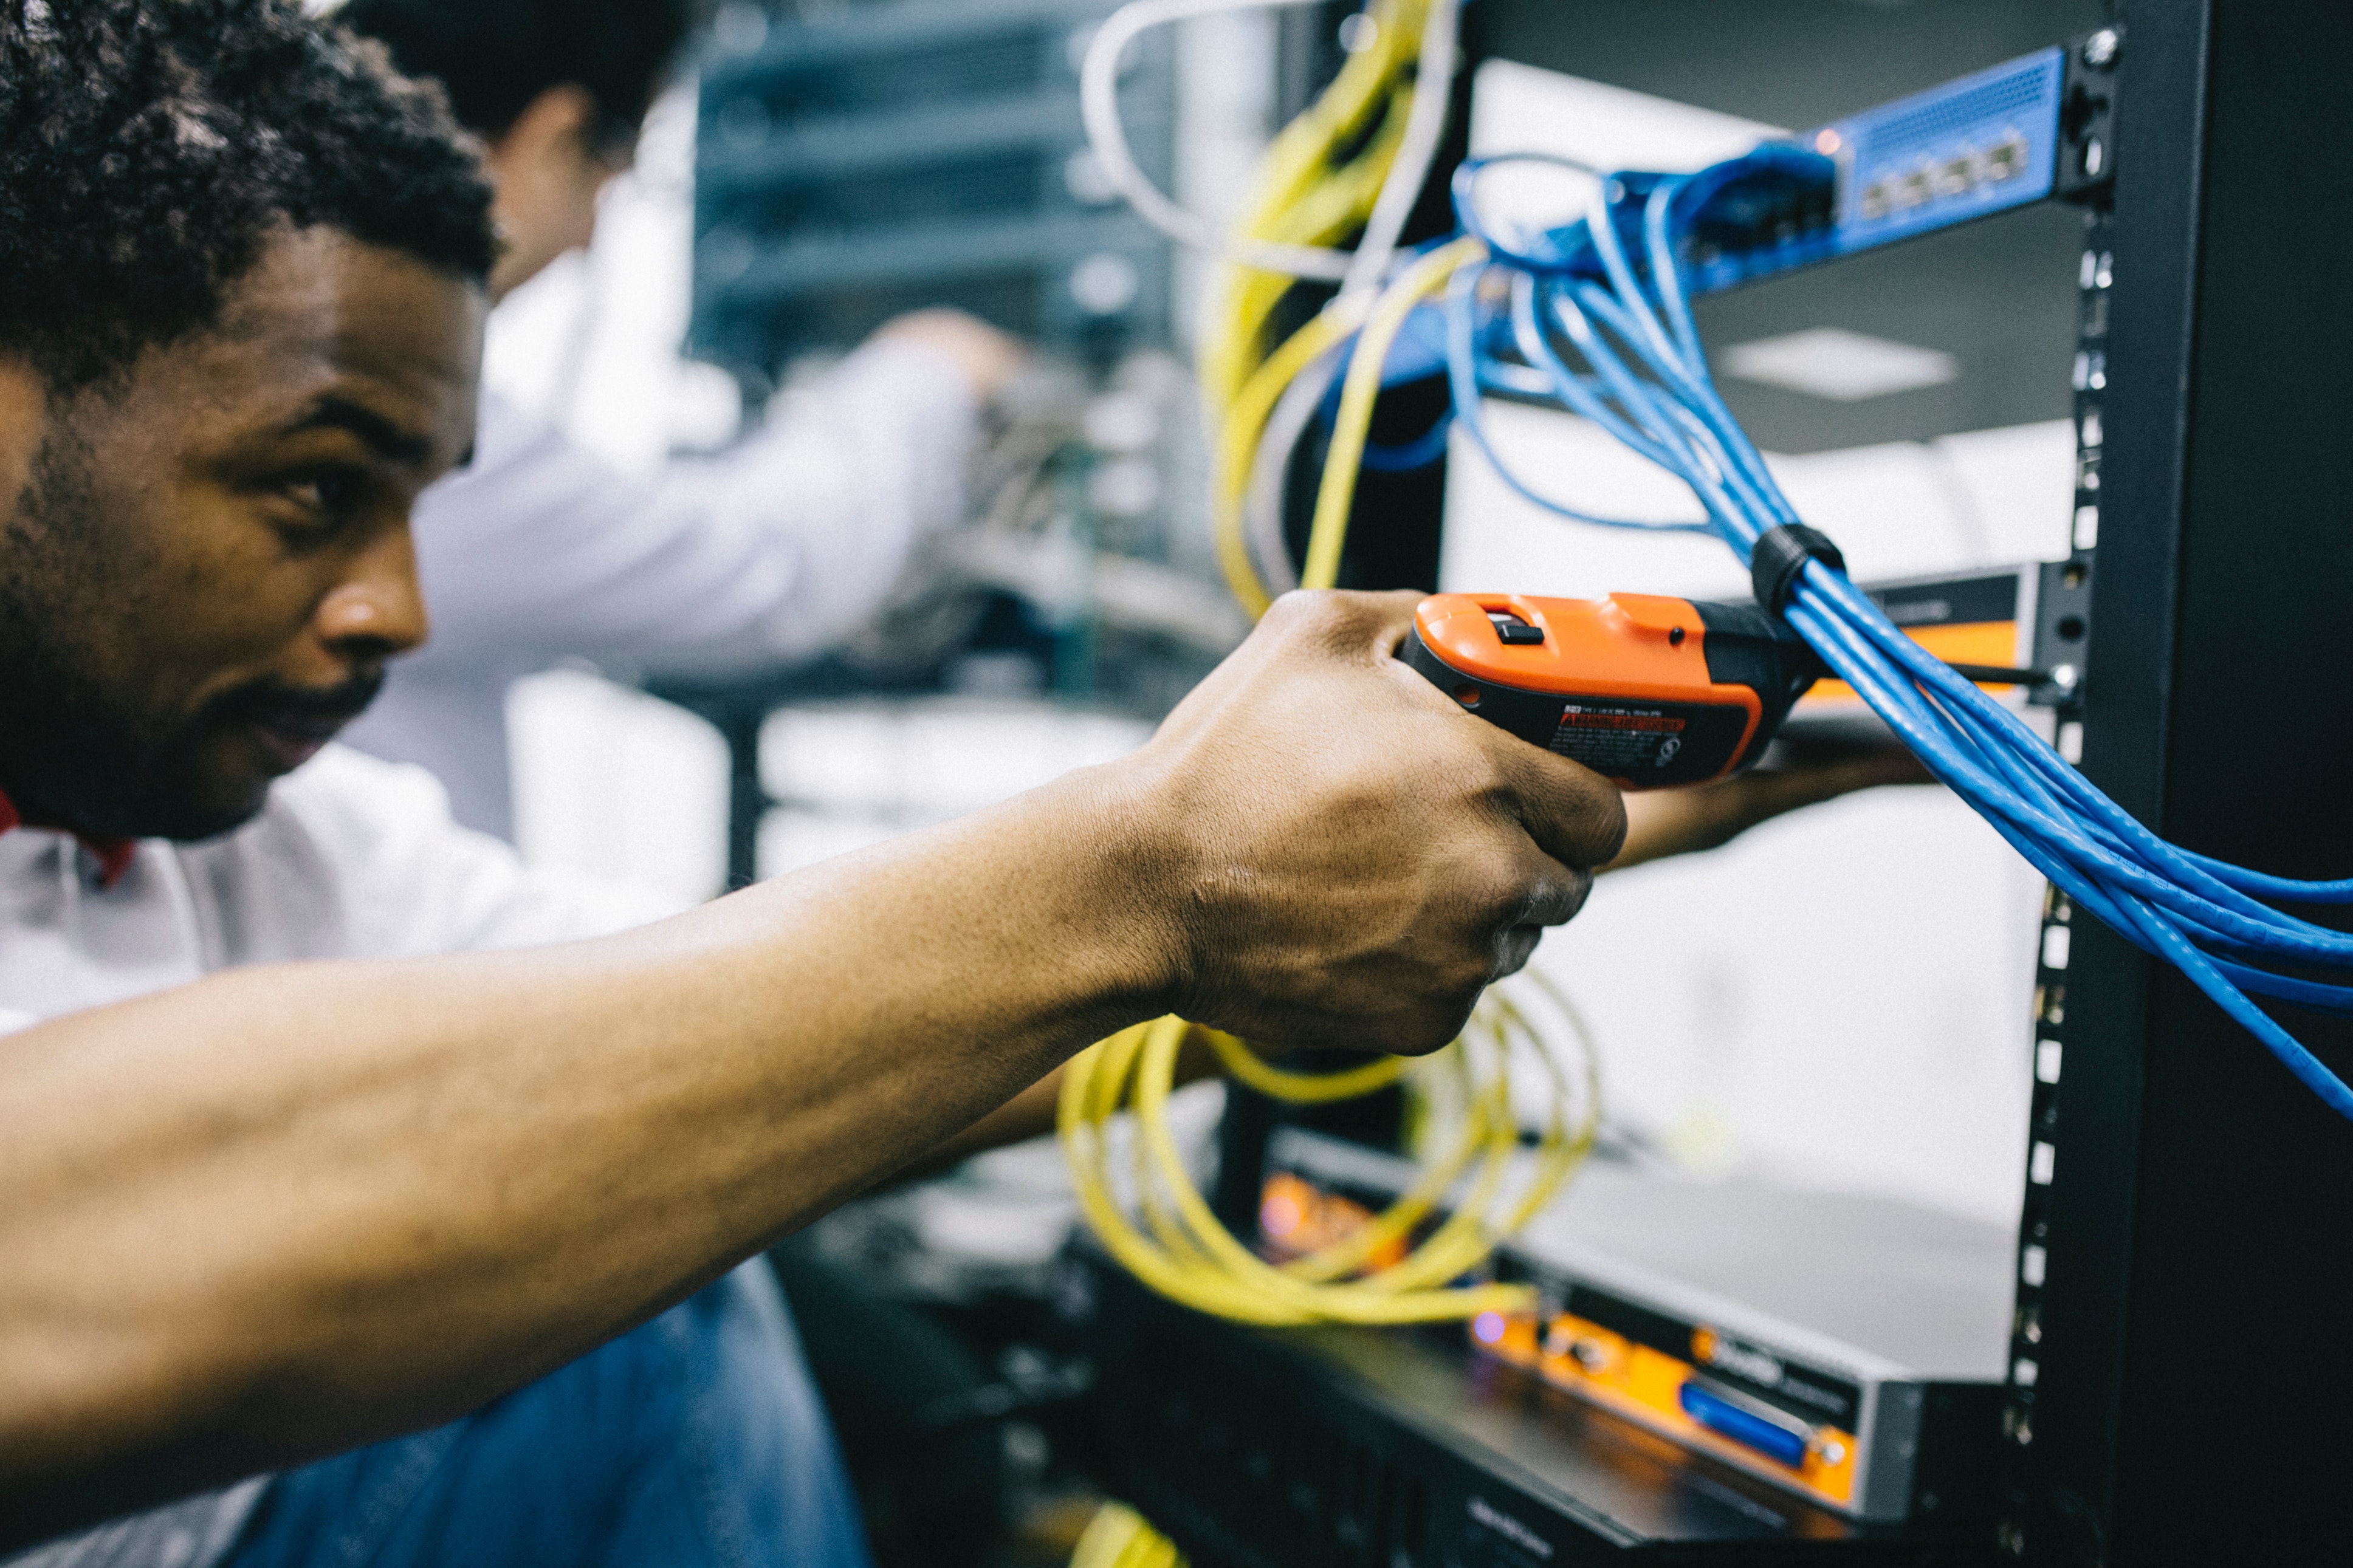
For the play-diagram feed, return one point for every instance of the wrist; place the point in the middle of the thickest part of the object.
(1135, 858)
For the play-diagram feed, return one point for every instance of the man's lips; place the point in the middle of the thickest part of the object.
(291, 726)
(290, 741)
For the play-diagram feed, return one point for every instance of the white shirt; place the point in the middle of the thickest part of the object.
(763, 555)
(351, 858)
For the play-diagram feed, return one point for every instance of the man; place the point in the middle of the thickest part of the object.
(539, 549)
(260, 1210)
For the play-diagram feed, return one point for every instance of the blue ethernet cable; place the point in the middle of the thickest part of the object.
(1611, 291)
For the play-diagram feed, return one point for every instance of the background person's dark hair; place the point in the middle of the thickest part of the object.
(496, 56)
(148, 148)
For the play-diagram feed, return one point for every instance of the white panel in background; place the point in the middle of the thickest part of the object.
(1899, 509)
(1225, 106)
(613, 784)
(1495, 541)
(856, 773)
(1839, 998)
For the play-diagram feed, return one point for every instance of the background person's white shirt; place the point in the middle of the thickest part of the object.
(540, 551)
(351, 858)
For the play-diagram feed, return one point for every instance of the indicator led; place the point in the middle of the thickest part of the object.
(1826, 142)
(1487, 1328)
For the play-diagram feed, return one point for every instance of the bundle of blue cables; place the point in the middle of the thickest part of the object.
(1611, 291)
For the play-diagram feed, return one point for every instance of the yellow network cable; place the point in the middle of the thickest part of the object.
(1317, 181)
(1164, 1231)
(1238, 439)
(1182, 1252)
(1245, 423)
(1337, 492)
(1119, 1537)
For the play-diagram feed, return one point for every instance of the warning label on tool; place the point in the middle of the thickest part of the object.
(1649, 744)
(1620, 741)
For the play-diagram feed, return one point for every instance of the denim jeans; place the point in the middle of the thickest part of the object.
(696, 1439)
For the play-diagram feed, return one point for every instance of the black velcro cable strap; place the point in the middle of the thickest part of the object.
(1781, 554)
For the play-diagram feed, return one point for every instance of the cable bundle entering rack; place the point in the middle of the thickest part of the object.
(1600, 310)
(1595, 315)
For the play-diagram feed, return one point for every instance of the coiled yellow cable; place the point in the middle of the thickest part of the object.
(1182, 1251)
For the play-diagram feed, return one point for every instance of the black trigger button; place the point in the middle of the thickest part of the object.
(1513, 631)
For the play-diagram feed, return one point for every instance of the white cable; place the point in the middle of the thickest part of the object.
(1425, 127)
(1262, 502)
(1099, 106)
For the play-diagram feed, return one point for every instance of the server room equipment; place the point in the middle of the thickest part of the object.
(857, 161)
(2171, 1168)
(1845, 1348)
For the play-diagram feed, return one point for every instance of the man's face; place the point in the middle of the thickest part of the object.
(205, 566)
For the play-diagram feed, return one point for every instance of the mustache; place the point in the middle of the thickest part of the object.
(300, 707)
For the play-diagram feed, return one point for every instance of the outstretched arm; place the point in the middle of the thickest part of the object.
(289, 1210)
(1660, 824)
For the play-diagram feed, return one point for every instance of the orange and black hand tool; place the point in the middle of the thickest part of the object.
(1648, 691)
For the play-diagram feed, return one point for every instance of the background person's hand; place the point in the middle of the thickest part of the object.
(1664, 822)
(988, 358)
(1354, 859)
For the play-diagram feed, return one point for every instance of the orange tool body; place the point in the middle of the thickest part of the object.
(1649, 691)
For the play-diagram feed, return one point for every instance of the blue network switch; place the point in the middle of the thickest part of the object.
(1980, 144)
(1977, 145)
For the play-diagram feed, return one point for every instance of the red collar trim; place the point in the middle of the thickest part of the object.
(112, 854)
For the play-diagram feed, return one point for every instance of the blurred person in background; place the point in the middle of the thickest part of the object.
(540, 550)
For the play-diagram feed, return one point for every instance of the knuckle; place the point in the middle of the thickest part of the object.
(1302, 609)
(1573, 896)
(1500, 895)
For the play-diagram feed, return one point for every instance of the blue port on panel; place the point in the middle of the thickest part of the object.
(1783, 1440)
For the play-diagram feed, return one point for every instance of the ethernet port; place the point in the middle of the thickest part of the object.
(1875, 202)
(2003, 160)
(1954, 175)
(1769, 208)
(1910, 191)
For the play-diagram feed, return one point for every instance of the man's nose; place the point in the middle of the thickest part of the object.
(377, 610)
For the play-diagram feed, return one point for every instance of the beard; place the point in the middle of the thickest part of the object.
(74, 754)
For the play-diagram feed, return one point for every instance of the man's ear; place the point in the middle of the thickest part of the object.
(555, 125)
(24, 423)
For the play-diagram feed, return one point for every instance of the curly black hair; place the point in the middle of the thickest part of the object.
(496, 56)
(149, 148)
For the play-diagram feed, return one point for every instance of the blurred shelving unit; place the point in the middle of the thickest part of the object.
(863, 160)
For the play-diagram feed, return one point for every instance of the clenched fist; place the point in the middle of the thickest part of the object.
(1350, 858)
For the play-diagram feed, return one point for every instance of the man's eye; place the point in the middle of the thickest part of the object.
(330, 493)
